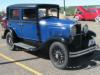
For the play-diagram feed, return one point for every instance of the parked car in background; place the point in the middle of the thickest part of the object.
(0, 18)
(3, 19)
(87, 14)
(37, 26)
(4, 22)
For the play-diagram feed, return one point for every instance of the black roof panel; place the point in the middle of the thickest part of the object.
(32, 5)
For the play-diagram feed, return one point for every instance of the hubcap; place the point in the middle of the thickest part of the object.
(9, 41)
(97, 19)
(58, 55)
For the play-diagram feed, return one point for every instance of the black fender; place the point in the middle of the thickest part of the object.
(59, 39)
(9, 30)
(91, 33)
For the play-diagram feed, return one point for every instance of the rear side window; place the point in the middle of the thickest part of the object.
(14, 14)
(29, 14)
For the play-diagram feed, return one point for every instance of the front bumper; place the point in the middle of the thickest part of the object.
(82, 52)
(82, 44)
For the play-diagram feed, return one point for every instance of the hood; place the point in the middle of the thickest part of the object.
(57, 22)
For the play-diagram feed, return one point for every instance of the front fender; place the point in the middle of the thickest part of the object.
(91, 33)
(59, 39)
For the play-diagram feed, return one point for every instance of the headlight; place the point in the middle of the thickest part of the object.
(73, 30)
(85, 29)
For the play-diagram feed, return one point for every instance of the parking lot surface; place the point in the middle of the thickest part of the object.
(38, 63)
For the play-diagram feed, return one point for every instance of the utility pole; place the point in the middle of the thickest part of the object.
(64, 7)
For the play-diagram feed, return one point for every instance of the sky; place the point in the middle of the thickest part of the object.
(5, 3)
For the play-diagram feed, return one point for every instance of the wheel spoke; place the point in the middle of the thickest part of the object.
(58, 55)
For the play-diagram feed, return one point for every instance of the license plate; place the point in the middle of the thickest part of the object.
(91, 42)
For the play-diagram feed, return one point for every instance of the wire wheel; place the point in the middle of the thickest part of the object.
(97, 19)
(10, 41)
(59, 55)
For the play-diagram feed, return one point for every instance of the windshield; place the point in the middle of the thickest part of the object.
(77, 11)
(47, 12)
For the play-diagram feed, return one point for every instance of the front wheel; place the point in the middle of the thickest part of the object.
(76, 18)
(59, 55)
(10, 41)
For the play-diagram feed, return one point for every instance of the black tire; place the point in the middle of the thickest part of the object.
(59, 55)
(10, 41)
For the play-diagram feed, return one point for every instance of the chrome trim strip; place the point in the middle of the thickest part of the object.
(83, 52)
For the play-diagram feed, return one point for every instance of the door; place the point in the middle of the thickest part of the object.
(14, 21)
(88, 16)
(94, 13)
(29, 24)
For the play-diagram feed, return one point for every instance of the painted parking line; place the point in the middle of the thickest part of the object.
(21, 65)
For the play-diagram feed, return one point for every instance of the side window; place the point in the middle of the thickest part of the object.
(78, 12)
(29, 14)
(47, 12)
(14, 14)
(52, 12)
(42, 12)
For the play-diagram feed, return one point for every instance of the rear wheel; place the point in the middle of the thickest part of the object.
(10, 41)
(59, 55)
(97, 19)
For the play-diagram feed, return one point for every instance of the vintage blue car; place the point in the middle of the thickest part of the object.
(35, 26)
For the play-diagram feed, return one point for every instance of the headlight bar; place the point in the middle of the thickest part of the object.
(85, 28)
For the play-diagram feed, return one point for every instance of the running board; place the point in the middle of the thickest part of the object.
(25, 46)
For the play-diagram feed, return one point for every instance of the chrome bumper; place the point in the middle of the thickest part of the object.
(82, 52)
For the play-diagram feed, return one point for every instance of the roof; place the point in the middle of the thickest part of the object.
(32, 5)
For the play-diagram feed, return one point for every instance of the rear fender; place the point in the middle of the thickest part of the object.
(9, 30)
